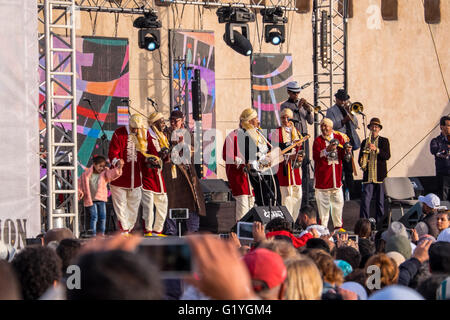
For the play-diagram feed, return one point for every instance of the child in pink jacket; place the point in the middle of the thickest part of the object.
(92, 185)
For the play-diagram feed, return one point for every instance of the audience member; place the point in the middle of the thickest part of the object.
(429, 287)
(267, 272)
(9, 285)
(38, 268)
(350, 255)
(442, 221)
(283, 248)
(388, 269)
(57, 234)
(443, 292)
(308, 221)
(356, 288)
(430, 204)
(444, 236)
(396, 292)
(303, 281)
(439, 253)
(332, 276)
(116, 275)
(400, 244)
(67, 250)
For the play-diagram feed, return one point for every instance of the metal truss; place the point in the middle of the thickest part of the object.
(59, 187)
(330, 51)
(141, 6)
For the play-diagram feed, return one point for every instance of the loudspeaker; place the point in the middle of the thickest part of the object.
(196, 96)
(264, 215)
(411, 218)
(220, 217)
(215, 190)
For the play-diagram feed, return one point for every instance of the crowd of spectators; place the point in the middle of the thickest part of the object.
(277, 265)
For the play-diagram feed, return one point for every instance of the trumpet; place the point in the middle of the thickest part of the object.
(313, 108)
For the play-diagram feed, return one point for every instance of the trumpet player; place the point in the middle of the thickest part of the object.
(374, 153)
(154, 194)
(304, 114)
(345, 122)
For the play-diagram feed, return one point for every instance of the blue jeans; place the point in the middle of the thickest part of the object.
(98, 212)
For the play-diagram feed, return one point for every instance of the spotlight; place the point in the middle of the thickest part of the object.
(237, 41)
(274, 34)
(274, 31)
(149, 35)
(237, 18)
(148, 39)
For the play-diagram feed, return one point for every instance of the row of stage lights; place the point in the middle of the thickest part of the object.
(236, 28)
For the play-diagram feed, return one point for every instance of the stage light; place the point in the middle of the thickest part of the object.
(237, 18)
(238, 41)
(274, 30)
(149, 36)
(149, 39)
(274, 34)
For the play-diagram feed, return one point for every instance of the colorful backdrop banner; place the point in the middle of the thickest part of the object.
(103, 78)
(270, 76)
(197, 48)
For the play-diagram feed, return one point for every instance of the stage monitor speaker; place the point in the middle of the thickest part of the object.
(264, 215)
(389, 9)
(220, 217)
(432, 11)
(215, 190)
(411, 218)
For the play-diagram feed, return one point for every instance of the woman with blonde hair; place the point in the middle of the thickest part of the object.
(303, 281)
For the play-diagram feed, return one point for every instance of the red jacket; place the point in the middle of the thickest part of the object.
(297, 242)
(152, 178)
(286, 173)
(121, 147)
(327, 176)
(237, 177)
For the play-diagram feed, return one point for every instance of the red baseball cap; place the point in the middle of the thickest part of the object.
(267, 266)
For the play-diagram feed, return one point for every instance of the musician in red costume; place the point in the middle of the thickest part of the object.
(289, 171)
(236, 168)
(328, 154)
(154, 195)
(126, 190)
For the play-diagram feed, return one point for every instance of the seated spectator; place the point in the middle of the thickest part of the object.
(9, 285)
(442, 220)
(332, 276)
(267, 272)
(396, 292)
(68, 250)
(303, 281)
(283, 248)
(57, 234)
(430, 204)
(308, 221)
(38, 268)
(388, 269)
(350, 255)
(116, 275)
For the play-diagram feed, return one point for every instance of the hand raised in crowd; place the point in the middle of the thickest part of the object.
(343, 240)
(234, 240)
(421, 251)
(258, 231)
(221, 273)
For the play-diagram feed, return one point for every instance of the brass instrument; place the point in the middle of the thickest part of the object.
(366, 152)
(353, 109)
(313, 108)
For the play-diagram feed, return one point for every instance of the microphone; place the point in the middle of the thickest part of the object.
(86, 99)
(294, 120)
(149, 99)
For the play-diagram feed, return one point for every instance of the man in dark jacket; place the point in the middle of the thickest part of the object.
(374, 153)
(439, 147)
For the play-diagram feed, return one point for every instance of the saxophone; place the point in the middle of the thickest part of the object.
(365, 157)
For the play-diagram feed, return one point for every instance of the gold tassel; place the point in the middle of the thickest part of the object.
(174, 171)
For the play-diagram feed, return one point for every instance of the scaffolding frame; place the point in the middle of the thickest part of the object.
(329, 25)
(59, 187)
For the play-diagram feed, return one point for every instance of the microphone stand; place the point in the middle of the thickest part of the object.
(104, 137)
